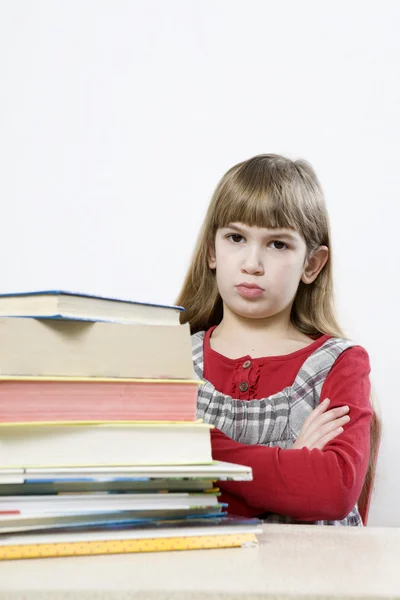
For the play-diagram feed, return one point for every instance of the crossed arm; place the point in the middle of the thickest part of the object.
(323, 479)
(267, 421)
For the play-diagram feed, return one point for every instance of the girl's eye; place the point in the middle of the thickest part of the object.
(235, 237)
(279, 245)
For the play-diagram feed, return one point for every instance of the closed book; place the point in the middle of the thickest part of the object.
(21, 487)
(100, 444)
(160, 544)
(92, 399)
(47, 348)
(19, 513)
(101, 502)
(217, 470)
(175, 478)
(58, 304)
(34, 545)
(124, 520)
(106, 520)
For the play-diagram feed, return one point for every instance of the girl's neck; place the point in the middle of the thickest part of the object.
(237, 336)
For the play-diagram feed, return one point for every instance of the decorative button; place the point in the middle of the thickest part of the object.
(243, 387)
(246, 364)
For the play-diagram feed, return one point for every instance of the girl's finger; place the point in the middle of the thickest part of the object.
(327, 429)
(321, 443)
(321, 408)
(330, 416)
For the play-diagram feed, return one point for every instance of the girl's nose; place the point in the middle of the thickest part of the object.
(252, 263)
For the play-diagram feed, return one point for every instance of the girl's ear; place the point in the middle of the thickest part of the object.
(212, 261)
(315, 264)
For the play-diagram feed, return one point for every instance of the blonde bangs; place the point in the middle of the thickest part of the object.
(259, 208)
(280, 198)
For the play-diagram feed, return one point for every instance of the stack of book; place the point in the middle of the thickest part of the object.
(100, 450)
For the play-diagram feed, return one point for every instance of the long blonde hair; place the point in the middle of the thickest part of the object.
(270, 191)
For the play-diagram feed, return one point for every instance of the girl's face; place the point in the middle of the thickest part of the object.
(258, 270)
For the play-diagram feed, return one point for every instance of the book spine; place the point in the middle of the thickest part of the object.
(126, 546)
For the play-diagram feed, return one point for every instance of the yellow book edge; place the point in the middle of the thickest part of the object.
(72, 379)
(127, 546)
(198, 423)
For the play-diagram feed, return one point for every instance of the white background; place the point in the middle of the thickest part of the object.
(118, 117)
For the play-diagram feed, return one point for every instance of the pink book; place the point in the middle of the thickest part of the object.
(79, 399)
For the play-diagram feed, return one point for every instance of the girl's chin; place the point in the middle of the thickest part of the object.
(254, 312)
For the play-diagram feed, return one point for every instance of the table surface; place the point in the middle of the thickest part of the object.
(291, 561)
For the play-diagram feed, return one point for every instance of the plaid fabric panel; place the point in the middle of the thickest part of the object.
(306, 389)
(276, 420)
(273, 421)
(247, 421)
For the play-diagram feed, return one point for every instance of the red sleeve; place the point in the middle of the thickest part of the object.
(310, 485)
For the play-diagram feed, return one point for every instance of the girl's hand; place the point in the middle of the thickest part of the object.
(322, 426)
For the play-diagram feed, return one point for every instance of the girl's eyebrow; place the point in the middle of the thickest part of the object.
(235, 227)
(284, 233)
(272, 232)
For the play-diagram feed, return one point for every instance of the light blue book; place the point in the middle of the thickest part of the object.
(58, 304)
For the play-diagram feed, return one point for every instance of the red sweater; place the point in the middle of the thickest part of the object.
(307, 485)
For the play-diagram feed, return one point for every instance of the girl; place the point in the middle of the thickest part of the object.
(258, 297)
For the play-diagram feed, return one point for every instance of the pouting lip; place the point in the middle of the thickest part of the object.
(250, 286)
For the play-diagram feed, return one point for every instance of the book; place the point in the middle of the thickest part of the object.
(25, 481)
(161, 544)
(90, 399)
(58, 304)
(188, 528)
(106, 520)
(22, 487)
(83, 444)
(101, 502)
(51, 348)
(217, 470)
(37, 512)
(135, 507)
(34, 545)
